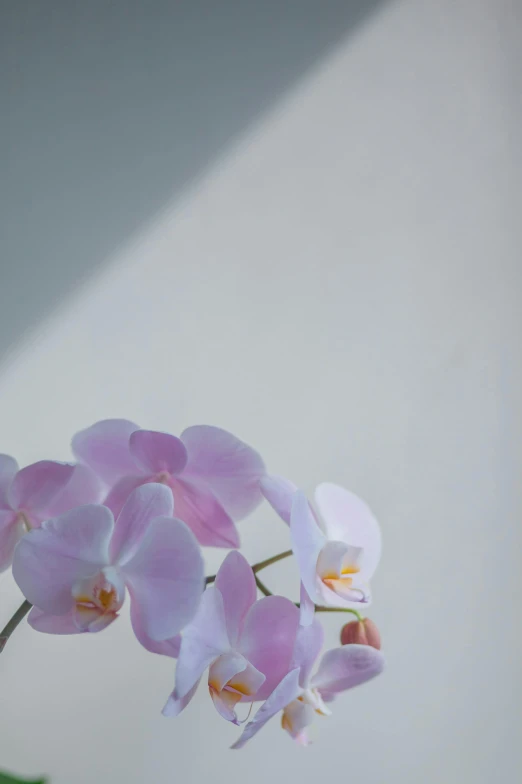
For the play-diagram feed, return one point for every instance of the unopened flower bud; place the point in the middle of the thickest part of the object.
(363, 632)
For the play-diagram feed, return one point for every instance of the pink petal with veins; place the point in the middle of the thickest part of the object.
(36, 486)
(156, 452)
(227, 466)
(236, 583)
(104, 447)
(165, 578)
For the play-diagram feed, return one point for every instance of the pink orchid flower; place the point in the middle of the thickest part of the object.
(246, 644)
(39, 491)
(301, 696)
(76, 568)
(214, 476)
(338, 556)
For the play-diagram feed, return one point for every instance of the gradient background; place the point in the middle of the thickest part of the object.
(299, 221)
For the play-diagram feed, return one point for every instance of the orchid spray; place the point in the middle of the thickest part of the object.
(130, 517)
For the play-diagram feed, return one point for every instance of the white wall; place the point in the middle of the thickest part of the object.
(342, 291)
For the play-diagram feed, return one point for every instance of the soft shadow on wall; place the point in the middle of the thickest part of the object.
(113, 108)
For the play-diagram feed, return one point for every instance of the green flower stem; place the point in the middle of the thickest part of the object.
(13, 623)
(257, 567)
(269, 561)
(262, 587)
(320, 608)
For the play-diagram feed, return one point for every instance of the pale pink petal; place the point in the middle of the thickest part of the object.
(204, 515)
(306, 607)
(34, 487)
(156, 452)
(279, 492)
(307, 542)
(104, 447)
(8, 469)
(231, 468)
(343, 668)
(236, 583)
(11, 531)
(247, 682)
(143, 504)
(175, 705)
(347, 518)
(283, 694)
(48, 561)
(165, 578)
(119, 494)
(163, 647)
(202, 642)
(231, 680)
(268, 639)
(224, 668)
(308, 644)
(83, 487)
(52, 624)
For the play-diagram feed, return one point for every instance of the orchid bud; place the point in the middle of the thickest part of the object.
(363, 632)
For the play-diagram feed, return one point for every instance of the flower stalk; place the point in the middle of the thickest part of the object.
(13, 623)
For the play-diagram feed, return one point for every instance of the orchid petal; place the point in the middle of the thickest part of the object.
(268, 638)
(119, 494)
(12, 529)
(165, 578)
(83, 487)
(156, 452)
(236, 583)
(143, 504)
(306, 607)
(247, 682)
(52, 624)
(347, 518)
(308, 644)
(48, 561)
(35, 486)
(284, 693)
(232, 679)
(307, 542)
(224, 668)
(228, 466)
(175, 705)
(204, 515)
(104, 447)
(169, 647)
(279, 492)
(8, 469)
(343, 668)
(203, 641)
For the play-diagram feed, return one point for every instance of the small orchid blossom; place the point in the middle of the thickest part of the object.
(214, 476)
(76, 568)
(336, 558)
(246, 644)
(33, 494)
(301, 697)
